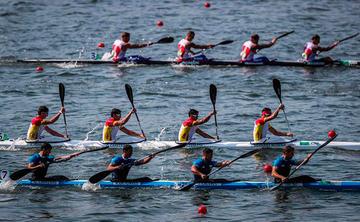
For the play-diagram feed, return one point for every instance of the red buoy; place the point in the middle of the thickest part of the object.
(207, 4)
(160, 23)
(39, 69)
(267, 168)
(101, 45)
(202, 209)
(331, 134)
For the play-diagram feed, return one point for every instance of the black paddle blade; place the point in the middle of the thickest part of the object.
(250, 153)
(213, 93)
(285, 34)
(225, 42)
(19, 174)
(99, 176)
(187, 187)
(277, 88)
(129, 93)
(350, 37)
(168, 39)
(62, 93)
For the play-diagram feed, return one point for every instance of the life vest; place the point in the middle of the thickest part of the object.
(35, 129)
(183, 52)
(260, 129)
(310, 51)
(118, 50)
(109, 130)
(187, 130)
(247, 51)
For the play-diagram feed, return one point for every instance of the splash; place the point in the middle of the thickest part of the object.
(90, 187)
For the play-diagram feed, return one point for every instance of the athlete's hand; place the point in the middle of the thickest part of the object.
(133, 110)
(41, 165)
(284, 179)
(273, 41)
(142, 136)
(289, 134)
(204, 176)
(150, 43)
(336, 43)
(62, 110)
(213, 112)
(211, 46)
(281, 106)
(226, 162)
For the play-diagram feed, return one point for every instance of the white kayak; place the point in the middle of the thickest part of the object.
(277, 142)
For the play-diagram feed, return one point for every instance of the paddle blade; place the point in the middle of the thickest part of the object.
(225, 42)
(213, 93)
(129, 93)
(285, 34)
(99, 176)
(19, 174)
(62, 93)
(168, 39)
(187, 187)
(277, 88)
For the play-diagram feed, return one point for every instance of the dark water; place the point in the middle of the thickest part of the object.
(316, 99)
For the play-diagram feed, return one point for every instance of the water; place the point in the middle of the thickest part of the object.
(316, 100)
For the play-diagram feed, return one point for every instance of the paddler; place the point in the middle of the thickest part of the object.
(282, 167)
(120, 47)
(262, 125)
(121, 165)
(190, 126)
(201, 167)
(39, 163)
(251, 47)
(114, 123)
(184, 49)
(312, 49)
(40, 123)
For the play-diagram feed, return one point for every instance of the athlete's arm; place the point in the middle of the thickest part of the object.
(193, 45)
(144, 160)
(266, 45)
(32, 166)
(321, 49)
(125, 119)
(137, 46)
(131, 133)
(196, 172)
(275, 174)
(53, 132)
(203, 134)
(54, 118)
(113, 167)
(279, 133)
(222, 163)
(275, 113)
(203, 120)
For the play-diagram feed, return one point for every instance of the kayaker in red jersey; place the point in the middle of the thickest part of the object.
(40, 123)
(262, 125)
(184, 49)
(251, 47)
(115, 123)
(190, 126)
(313, 48)
(120, 47)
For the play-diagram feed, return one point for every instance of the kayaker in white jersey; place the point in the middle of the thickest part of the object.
(262, 125)
(40, 123)
(184, 49)
(120, 47)
(313, 48)
(251, 47)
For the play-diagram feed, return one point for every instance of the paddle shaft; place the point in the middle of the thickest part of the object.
(304, 161)
(285, 34)
(62, 97)
(349, 37)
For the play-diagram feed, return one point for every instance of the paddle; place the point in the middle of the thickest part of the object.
(349, 37)
(129, 93)
(277, 89)
(62, 97)
(101, 175)
(164, 40)
(21, 173)
(213, 93)
(303, 162)
(285, 34)
(250, 153)
(225, 42)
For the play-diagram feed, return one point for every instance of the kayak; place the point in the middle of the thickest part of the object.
(210, 62)
(277, 142)
(169, 184)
